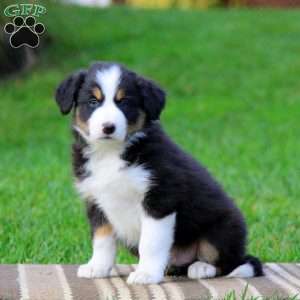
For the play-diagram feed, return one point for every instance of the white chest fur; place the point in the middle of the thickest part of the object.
(118, 189)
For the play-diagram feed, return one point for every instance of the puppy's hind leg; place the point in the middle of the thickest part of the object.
(207, 255)
(200, 270)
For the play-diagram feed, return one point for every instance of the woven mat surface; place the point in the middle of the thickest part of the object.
(59, 282)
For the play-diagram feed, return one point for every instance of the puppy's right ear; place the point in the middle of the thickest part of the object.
(67, 92)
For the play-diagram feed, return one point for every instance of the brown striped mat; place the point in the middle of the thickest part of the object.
(59, 282)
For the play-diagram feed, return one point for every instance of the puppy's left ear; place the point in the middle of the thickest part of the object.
(67, 91)
(153, 97)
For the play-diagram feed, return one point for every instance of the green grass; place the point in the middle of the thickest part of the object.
(234, 103)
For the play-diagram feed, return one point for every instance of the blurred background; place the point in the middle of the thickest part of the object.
(231, 70)
(192, 3)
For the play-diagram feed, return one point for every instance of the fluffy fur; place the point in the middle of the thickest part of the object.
(142, 189)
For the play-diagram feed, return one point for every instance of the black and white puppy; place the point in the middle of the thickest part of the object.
(142, 189)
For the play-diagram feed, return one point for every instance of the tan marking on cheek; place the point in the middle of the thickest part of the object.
(120, 95)
(81, 124)
(207, 252)
(97, 93)
(103, 231)
(139, 124)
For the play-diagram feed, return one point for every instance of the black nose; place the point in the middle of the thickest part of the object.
(109, 128)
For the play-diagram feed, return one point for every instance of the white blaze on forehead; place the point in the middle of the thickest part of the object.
(109, 79)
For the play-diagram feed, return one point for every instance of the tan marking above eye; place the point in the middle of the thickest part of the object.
(97, 94)
(120, 95)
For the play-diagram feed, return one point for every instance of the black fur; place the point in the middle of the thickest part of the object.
(153, 98)
(177, 270)
(78, 158)
(255, 262)
(67, 92)
(95, 215)
(179, 183)
(183, 186)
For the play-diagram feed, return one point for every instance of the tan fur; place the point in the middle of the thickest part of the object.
(103, 231)
(97, 93)
(81, 124)
(120, 95)
(183, 255)
(207, 252)
(138, 124)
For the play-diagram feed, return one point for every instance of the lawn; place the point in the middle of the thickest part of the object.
(233, 102)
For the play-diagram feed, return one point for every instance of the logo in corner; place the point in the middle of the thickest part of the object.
(24, 30)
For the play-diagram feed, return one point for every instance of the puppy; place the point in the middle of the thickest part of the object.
(141, 189)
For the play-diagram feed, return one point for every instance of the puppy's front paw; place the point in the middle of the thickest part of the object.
(140, 277)
(92, 270)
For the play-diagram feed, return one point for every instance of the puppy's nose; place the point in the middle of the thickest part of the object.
(108, 128)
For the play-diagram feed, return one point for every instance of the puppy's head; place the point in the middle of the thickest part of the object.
(109, 102)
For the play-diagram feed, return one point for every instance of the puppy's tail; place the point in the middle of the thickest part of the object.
(251, 267)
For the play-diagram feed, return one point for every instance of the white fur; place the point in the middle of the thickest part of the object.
(118, 189)
(109, 79)
(243, 271)
(200, 269)
(102, 261)
(154, 249)
(108, 112)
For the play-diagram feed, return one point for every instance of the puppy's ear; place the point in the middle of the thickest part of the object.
(153, 97)
(67, 92)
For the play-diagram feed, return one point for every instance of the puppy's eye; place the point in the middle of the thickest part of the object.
(93, 102)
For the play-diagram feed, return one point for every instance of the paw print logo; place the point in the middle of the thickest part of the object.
(24, 32)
